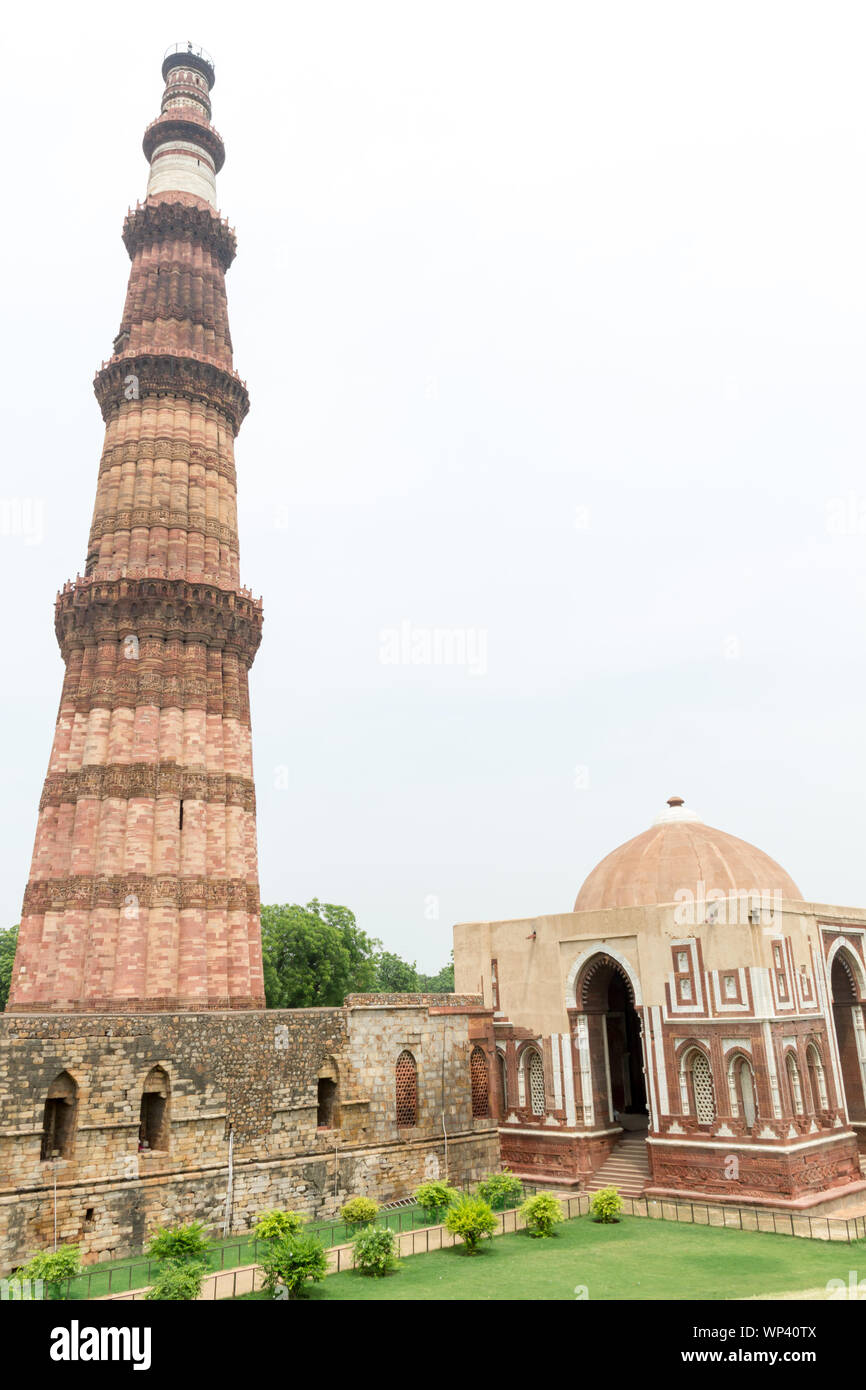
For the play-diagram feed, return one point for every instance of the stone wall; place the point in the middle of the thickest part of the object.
(255, 1073)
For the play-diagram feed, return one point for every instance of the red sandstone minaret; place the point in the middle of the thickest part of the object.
(143, 890)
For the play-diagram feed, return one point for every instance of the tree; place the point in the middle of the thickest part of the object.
(293, 1261)
(359, 1211)
(373, 1251)
(472, 1220)
(53, 1267)
(396, 976)
(275, 1225)
(501, 1189)
(178, 1280)
(177, 1244)
(443, 983)
(541, 1213)
(315, 955)
(606, 1205)
(434, 1199)
(8, 943)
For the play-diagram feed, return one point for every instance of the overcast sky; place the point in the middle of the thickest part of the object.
(554, 323)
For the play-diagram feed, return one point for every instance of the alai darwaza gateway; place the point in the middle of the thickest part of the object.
(691, 1028)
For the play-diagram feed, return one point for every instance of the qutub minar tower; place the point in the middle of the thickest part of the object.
(143, 890)
(142, 1079)
(706, 1046)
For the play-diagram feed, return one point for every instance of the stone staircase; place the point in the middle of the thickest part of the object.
(626, 1168)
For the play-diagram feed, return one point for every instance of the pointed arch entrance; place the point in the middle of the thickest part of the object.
(605, 994)
(847, 996)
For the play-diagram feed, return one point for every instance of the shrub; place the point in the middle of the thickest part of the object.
(501, 1190)
(53, 1267)
(606, 1205)
(359, 1211)
(471, 1219)
(179, 1243)
(373, 1249)
(541, 1213)
(273, 1225)
(434, 1199)
(178, 1280)
(292, 1261)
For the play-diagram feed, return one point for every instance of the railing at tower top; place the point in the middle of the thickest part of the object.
(187, 48)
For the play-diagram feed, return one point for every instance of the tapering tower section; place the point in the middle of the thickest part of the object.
(143, 891)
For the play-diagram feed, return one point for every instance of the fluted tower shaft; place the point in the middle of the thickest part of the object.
(143, 890)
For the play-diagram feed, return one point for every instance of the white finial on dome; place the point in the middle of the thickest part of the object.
(676, 811)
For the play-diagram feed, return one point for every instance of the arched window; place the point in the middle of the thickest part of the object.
(406, 1077)
(701, 1092)
(794, 1083)
(58, 1123)
(327, 1092)
(534, 1074)
(503, 1079)
(480, 1084)
(817, 1080)
(742, 1089)
(153, 1122)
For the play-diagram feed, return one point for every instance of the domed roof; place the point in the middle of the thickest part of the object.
(678, 852)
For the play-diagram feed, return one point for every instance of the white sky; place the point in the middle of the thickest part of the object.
(554, 323)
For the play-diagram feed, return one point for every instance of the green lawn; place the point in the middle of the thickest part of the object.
(117, 1276)
(634, 1259)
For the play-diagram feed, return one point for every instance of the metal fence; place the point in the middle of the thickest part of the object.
(779, 1223)
(101, 1281)
(231, 1263)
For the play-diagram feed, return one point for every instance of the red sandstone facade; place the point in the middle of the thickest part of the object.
(707, 1042)
(143, 890)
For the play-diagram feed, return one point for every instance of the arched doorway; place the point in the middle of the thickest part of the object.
(848, 1020)
(605, 994)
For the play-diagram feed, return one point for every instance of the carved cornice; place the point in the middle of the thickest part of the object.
(128, 893)
(110, 609)
(126, 379)
(127, 690)
(152, 780)
(117, 453)
(110, 522)
(192, 128)
(158, 221)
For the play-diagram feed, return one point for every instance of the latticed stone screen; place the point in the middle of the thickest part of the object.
(407, 1090)
(535, 1077)
(702, 1084)
(480, 1084)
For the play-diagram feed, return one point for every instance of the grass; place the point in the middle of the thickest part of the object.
(117, 1276)
(634, 1259)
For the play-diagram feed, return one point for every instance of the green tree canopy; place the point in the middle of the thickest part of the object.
(396, 976)
(314, 955)
(8, 943)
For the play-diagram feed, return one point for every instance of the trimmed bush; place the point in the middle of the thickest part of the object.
(274, 1225)
(359, 1211)
(541, 1213)
(292, 1262)
(434, 1199)
(606, 1205)
(179, 1243)
(471, 1219)
(501, 1190)
(373, 1249)
(178, 1280)
(53, 1267)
